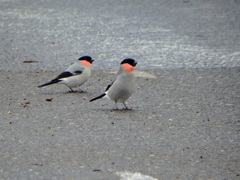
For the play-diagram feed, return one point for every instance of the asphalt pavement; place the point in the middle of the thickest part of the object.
(158, 33)
(184, 122)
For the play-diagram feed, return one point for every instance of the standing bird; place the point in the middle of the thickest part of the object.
(75, 75)
(123, 85)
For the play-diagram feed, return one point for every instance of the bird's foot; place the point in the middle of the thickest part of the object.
(76, 91)
(81, 91)
(72, 91)
(127, 109)
(115, 109)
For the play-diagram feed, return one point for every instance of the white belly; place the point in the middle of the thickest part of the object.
(78, 80)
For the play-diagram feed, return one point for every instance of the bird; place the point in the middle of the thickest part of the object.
(75, 75)
(123, 85)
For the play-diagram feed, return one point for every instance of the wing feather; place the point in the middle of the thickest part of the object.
(65, 74)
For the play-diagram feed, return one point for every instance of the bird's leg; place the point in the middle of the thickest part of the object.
(71, 90)
(116, 106)
(126, 107)
(81, 91)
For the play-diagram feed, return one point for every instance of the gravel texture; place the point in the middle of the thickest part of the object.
(184, 125)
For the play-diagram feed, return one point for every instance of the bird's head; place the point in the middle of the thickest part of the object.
(128, 64)
(86, 61)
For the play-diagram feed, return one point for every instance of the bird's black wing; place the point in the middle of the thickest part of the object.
(77, 72)
(108, 87)
(65, 74)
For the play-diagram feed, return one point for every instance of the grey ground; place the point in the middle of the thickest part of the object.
(185, 118)
(157, 33)
(178, 128)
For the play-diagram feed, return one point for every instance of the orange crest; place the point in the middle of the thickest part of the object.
(86, 63)
(127, 67)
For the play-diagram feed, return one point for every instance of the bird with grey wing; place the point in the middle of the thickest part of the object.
(123, 85)
(75, 75)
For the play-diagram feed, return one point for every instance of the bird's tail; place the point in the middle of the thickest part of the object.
(102, 95)
(49, 83)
